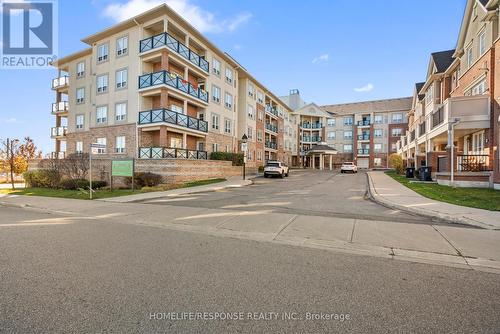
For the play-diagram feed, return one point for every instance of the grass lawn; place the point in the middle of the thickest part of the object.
(103, 193)
(480, 198)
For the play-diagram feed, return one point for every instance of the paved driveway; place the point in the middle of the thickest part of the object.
(304, 192)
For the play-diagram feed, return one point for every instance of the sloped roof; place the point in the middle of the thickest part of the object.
(418, 88)
(483, 2)
(321, 148)
(398, 104)
(443, 59)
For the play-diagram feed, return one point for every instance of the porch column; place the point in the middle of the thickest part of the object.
(313, 161)
(184, 140)
(164, 60)
(321, 162)
(163, 142)
(164, 98)
(331, 162)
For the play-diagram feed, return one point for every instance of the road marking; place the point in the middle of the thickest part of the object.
(226, 214)
(284, 226)
(255, 204)
(33, 224)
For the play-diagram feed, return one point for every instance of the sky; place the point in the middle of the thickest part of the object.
(333, 51)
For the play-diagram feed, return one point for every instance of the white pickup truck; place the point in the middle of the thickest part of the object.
(275, 168)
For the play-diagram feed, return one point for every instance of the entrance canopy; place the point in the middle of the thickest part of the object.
(321, 151)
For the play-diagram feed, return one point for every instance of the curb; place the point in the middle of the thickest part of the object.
(374, 196)
(159, 194)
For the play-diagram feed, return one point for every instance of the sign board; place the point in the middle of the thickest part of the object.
(122, 168)
(244, 147)
(94, 148)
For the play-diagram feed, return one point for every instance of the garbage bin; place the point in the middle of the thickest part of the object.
(410, 172)
(425, 173)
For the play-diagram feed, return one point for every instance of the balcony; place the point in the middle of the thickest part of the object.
(311, 139)
(165, 39)
(363, 123)
(412, 135)
(271, 144)
(171, 80)
(271, 127)
(170, 153)
(60, 83)
(57, 155)
(271, 110)
(473, 163)
(59, 107)
(421, 129)
(58, 131)
(172, 117)
(364, 137)
(311, 125)
(363, 151)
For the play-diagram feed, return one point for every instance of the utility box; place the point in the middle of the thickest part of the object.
(425, 173)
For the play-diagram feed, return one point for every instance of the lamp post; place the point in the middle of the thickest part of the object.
(451, 146)
(244, 148)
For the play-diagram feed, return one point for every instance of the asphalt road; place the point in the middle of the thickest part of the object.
(61, 274)
(304, 192)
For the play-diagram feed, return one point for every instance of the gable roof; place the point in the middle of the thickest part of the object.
(442, 59)
(418, 88)
(399, 104)
(311, 109)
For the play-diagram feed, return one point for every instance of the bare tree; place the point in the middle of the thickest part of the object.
(76, 166)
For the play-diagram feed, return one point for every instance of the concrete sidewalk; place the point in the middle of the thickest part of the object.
(386, 191)
(456, 246)
(232, 182)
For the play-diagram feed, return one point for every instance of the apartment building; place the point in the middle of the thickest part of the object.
(153, 87)
(457, 106)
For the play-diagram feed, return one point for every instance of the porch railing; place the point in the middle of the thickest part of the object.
(311, 125)
(271, 145)
(60, 82)
(58, 131)
(172, 117)
(272, 110)
(172, 80)
(438, 117)
(473, 163)
(165, 39)
(365, 122)
(364, 137)
(59, 107)
(170, 153)
(271, 127)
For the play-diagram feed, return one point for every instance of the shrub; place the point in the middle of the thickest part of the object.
(261, 169)
(42, 178)
(396, 162)
(236, 158)
(74, 184)
(144, 180)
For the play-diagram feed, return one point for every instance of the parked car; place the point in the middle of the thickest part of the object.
(348, 167)
(276, 168)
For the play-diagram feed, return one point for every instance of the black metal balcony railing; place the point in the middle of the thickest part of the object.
(59, 107)
(412, 135)
(473, 163)
(172, 117)
(364, 137)
(58, 131)
(165, 39)
(271, 144)
(271, 127)
(438, 117)
(311, 139)
(272, 110)
(311, 125)
(60, 82)
(365, 122)
(166, 78)
(363, 151)
(421, 129)
(170, 153)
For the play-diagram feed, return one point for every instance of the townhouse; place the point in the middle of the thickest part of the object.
(153, 87)
(454, 118)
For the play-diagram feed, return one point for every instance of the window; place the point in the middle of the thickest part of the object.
(79, 147)
(102, 52)
(80, 95)
(250, 111)
(215, 94)
(176, 108)
(260, 98)
(121, 78)
(80, 70)
(250, 132)
(394, 146)
(377, 147)
(470, 58)
(331, 122)
(215, 147)
(101, 114)
(229, 75)
(379, 119)
(120, 144)
(482, 43)
(479, 89)
(215, 122)
(228, 98)
(348, 120)
(396, 132)
(261, 115)
(122, 46)
(251, 90)
(216, 67)
(259, 135)
(397, 118)
(227, 125)
(347, 134)
(347, 148)
(378, 133)
(478, 142)
(120, 111)
(377, 162)
(331, 134)
(79, 121)
(101, 141)
(259, 155)
(429, 95)
(102, 83)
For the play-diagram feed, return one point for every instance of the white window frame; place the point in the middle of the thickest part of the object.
(216, 94)
(80, 97)
(120, 144)
(216, 65)
(348, 120)
(331, 122)
(250, 111)
(482, 43)
(102, 141)
(470, 56)
(99, 117)
(122, 50)
(215, 121)
(105, 81)
(79, 147)
(80, 70)
(103, 53)
(348, 136)
(377, 147)
(396, 132)
(228, 100)
(121, 77)
(121, 111)
(332, 135)
(78, 125)
(378, 119)
(229, 75)
(378, 133)
(397, 118)
(227, 126)
(349, 150)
